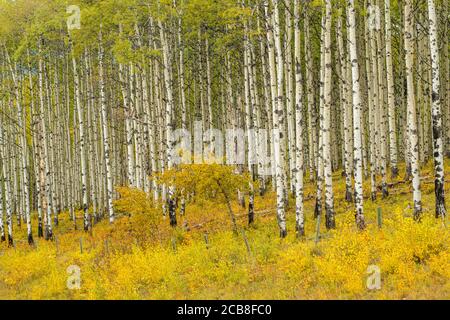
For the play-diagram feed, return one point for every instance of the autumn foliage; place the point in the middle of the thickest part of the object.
(142, 257)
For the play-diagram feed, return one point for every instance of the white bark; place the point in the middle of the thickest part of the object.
(357, 113)
(276, 74)
(438, 146)
(82, 146)
(329, 197)
(21, 117)
(168, 117)
(299, 210)
(104, 122)
(345, 87)
(390, 90)
(412, 117)
(45, 175)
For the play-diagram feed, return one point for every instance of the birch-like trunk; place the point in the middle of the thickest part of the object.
(276, 75)
(309, 72)
(320, 167)
(390, 91)
(104, 121)
(299, 210)
(6, 184)
(345, 87)
(249, 107)
(21, 118)
(82, 146)
(290, 104)
(357, 114)
(168, 117)
(412, 115)
(381, 104)
(45, 175)
(327, 165)
(438, 147)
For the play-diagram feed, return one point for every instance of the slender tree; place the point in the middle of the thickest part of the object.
(438, 147)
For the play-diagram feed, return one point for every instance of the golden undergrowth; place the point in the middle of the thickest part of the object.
(142, 257)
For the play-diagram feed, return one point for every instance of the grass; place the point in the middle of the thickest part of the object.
(141, 257)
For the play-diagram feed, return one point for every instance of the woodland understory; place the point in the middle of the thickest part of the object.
(183, 149)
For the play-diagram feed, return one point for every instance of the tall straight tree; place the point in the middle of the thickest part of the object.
(299, 214)
(320, 166)
(21, 117)
(357, 113)
(104, 122)
(44, 158)
(438, 147)
(345, 87)
(411, 109)
(327, 165)
(276, 74)
(82, 144)
(309, 72)
(390, 91)
(5, 184)
(168, 117)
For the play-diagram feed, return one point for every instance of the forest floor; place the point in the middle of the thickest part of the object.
(141, 257)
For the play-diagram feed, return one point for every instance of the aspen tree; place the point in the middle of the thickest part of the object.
(6, 185)
(276, 75)
(329, 197)
(109, 181)
(346, 114)
(438, 148)
(128, 107)
(267, 102)
(412, 117)
(377, 93)
(371, 95)
(168, 118)
(390, 91)
(249, 106)
(2, 226)
(51, 149)
(35, 148)
(309, 71)
(21, 117)
(357, 113)
(91, 138)
(45, 174)
(82, 145)
(281, 99)
(320, 160)
(272, 93)
(300, 228)
(290, 103)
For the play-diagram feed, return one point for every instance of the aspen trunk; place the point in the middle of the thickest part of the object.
(412, 115)
(276, 74)
(346, 114)
(104, 119)
(169, 122)
(299, 214)
(44, 164)
(438, 147)
(21, 118)
(357, 113)
(82, 146)
(390, 90)
(327, 165)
